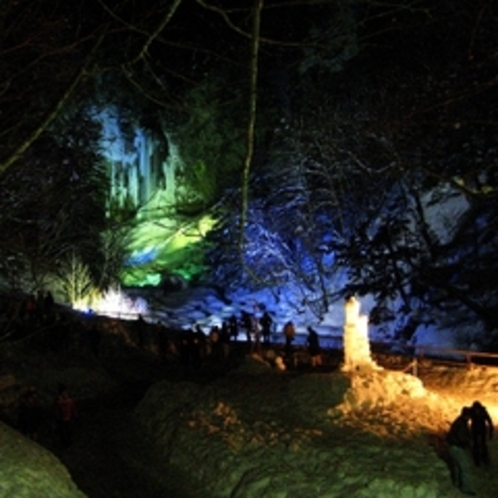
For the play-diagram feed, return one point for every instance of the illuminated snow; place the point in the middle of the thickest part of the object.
(357, 355)
(114, 303)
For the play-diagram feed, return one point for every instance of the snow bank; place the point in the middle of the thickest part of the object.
(267, 434)
(28, 470)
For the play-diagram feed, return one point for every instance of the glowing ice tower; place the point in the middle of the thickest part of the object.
(357, 357)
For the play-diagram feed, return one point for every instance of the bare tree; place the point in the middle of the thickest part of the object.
(48, 52)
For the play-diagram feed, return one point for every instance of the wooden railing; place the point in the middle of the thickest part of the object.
(446, 356)
(411, 357)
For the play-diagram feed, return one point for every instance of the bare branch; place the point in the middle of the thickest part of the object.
(54, 112)
(167, 18)
(223, 13)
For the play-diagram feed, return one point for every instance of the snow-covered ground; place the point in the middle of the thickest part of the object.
(260, 432)
(263, 433)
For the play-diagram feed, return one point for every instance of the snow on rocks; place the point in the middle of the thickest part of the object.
(28, 470)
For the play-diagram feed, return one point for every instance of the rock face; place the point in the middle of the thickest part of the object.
(28, 470)
(274, 434)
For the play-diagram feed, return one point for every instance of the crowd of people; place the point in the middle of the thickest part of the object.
(49, 325)
(39, 315)
(254, 334)
(36, 309)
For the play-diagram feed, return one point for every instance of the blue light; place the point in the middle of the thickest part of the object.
(142, 257)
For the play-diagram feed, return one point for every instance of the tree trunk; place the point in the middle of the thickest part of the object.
(253, 89)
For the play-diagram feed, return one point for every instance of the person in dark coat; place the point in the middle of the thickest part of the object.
(289, 335)
(29, 414)
(481, 427)
(246, 319)
(314, 347)
(459, 442)
(215, 344)
(49, 306)
(65, 413)
(266, 322)
(233, 327)
(141, 326)
(225, 339)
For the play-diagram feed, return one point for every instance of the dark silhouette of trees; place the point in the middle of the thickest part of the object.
(54, 60)
(385, 169)
(368, 113)
(54, 202)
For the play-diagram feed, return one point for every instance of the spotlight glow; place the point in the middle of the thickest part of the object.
(160, 247)
(113, 303)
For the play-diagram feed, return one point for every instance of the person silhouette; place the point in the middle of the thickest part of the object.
(289, 335)
(30, 414)
(65, 413)
(313, 343)
(233, 327)
(266, 322)
(481, 427)
(459, 439)
(141, 326)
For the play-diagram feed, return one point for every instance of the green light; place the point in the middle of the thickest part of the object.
(153, 279)
(176, 250)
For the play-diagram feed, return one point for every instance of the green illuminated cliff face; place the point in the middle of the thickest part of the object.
(166, 246)
(149, 190)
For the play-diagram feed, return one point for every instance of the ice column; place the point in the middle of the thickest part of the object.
(357, 355)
